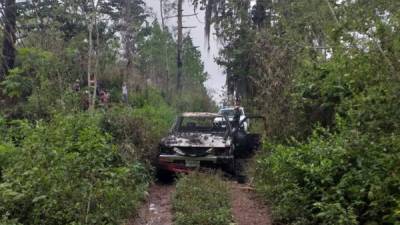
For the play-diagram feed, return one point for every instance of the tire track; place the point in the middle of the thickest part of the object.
(246, 208)
(158, 208)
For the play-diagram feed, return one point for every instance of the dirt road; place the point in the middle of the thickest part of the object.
(158, 208)
(246, 208)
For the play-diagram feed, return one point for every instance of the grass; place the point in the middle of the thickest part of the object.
(201, 199)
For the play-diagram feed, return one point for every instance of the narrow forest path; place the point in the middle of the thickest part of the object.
(246, 208)
(158, 208)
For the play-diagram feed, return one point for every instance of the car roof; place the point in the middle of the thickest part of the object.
(200, 114)
(230, 108)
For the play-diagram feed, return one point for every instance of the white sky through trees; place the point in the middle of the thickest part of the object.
(217, 78)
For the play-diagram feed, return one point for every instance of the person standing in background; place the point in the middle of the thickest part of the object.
(124, 92)
(104, 98)
(77, 86)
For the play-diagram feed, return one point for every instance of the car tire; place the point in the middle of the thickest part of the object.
(240, 171)
(165, 176)
(229, 167)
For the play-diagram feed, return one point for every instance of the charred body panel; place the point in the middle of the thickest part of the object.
(206, 140)
(196, 139)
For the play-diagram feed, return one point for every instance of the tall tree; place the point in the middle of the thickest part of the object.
(179, 47)
(9, 37)
(129, 17)
(162, 14)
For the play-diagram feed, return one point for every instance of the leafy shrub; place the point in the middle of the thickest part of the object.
(6, 152)
(16, 85)
(137, 131)
(342, 178)
(147, 97)
(6, 221)
(36, 81)
(201, 199)
(67, 171)
(194, 101)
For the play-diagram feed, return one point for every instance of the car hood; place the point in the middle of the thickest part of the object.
(230, 118)
(196, 140)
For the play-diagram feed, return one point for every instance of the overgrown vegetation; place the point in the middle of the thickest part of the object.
(201, 199)
(324, 73)
(67, 154)
(340, 178)
(66, 171)
(136, 131)
(80, 168)
(326, 76)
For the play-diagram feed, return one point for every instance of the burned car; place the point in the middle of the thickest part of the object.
(205, 140)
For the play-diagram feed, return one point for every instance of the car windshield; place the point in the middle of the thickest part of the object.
(201, 124)
(230, 112)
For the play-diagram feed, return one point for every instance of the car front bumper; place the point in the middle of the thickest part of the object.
(209, 158)
(177, 163)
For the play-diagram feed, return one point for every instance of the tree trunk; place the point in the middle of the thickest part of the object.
(89, 65)
(128, 38)
(9, 52)
(96, 66)
(179, 48)
(162, 15)
(163, 28)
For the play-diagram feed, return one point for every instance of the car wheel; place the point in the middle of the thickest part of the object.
(240, 171)
(229, 167)
(165, 176)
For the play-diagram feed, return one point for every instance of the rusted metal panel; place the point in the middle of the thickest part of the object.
(200, 114)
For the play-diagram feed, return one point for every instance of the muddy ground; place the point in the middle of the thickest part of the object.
(158, 208)
(246, 207)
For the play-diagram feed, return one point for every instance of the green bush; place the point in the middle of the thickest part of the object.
(147, 97)
(137, 132)
(6, 221)
(194, 100)
(6, 152)
(201, 199)
(35, 85)
(342, 178)
(67, 171)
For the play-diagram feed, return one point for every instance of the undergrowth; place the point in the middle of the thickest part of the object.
(201, 199)
(66, 171)
(338, 178)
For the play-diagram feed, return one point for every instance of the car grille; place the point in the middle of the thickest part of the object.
(191, 151)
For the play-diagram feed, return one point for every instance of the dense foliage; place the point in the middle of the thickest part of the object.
(324, 73)
(201, 199)
(307, 64)
(156, 59)
(341, 178)
(61, 43)
(66, 155)
(136, 131)
(66, 171)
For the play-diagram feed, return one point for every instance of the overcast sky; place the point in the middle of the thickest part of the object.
(216, 79)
